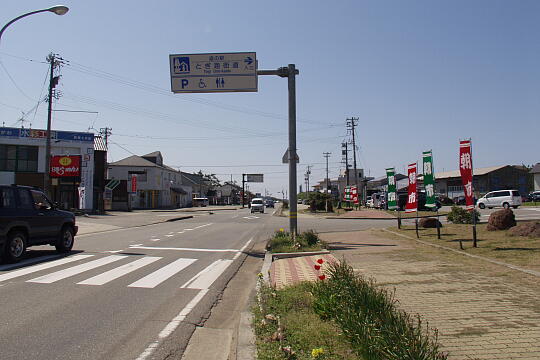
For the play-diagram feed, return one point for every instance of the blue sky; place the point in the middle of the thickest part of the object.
(419, 75)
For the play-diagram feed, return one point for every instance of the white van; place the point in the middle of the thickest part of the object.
(501, 198)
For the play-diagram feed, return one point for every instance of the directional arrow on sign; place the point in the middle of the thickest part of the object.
(249, 60)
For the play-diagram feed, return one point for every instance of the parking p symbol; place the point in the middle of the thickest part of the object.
(184, 83)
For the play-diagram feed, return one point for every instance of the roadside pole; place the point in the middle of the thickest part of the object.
(243, 189)
(290, 72)
(474, 204)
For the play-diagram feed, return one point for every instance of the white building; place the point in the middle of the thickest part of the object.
(158, 185)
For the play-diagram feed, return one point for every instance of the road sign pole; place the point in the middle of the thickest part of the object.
(293, 207)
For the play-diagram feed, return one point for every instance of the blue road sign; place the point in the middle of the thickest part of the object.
(221, 72)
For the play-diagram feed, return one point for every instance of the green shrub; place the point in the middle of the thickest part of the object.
(307, 241)
(317, 201)
(369, 317)
(459, 215)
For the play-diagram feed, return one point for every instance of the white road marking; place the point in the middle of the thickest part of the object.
(180, 232)
(154, 239)
(28, 262)
(181, 249)
(251, 217)
(242, 249)
(172, 325)
(40, 267)
(169, 235)
(205, 278)
(157, 277)
(62, 274)
(113, 251)
(119, 271)
(189, 229)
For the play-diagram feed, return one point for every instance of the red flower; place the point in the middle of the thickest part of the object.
(322, 277)
(320, 261)
(317, 267)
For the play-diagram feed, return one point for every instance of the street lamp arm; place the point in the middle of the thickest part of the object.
(58, 10)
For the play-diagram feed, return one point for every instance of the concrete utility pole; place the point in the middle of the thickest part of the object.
(346, 154)
(53, 81)
(327, 155)
(105, 132)
(351, 124)
(308, 173)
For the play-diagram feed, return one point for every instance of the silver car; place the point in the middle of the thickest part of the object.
(501, 198)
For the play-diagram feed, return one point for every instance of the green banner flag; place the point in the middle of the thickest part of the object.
(429, 179)
(392, 196)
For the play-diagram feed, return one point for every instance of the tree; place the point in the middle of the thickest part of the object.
(210, 178)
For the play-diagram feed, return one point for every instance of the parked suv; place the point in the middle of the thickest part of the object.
(257, 204)
(504, 198)
(29, 218)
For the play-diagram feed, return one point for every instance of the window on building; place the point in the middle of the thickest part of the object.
(18, 158)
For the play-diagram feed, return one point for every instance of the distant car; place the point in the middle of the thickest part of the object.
(369, 202)
(257, 205)
(534, 196)
(500, 198)
(269, 203)
(299, 201)
(29, 218)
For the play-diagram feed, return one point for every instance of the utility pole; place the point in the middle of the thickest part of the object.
(243, 189)
(106, 132)
(327, 155)
(55, 62)
(308, 173)
(345, 153)
(351, 124)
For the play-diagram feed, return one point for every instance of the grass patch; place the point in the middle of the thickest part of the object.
(498, 245)
(531, 203)
(282, 242)
(287, 327)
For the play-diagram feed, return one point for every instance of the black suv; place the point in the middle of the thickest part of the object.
(28, 218)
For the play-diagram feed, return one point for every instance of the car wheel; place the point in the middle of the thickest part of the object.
(481, 206)
(506, 205)
(65, 241)
(15, 246)
(515, 207)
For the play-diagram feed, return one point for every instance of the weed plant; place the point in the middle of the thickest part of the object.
(281, 241)
(459, 215)
(368, 315)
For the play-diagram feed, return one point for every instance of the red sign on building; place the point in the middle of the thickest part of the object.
(64, 166)
(412, 199)
(133, 183)
(465, 168)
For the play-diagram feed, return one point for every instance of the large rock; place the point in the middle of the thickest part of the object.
(501, 220)
(529, 228)
(429, 223)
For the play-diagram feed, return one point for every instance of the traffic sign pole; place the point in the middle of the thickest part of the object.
(290, 72)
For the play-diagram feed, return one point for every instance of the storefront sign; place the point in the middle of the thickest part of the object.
(65, 166)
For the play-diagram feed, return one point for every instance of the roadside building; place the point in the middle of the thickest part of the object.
(228, 194)
(535, 171)
(486, 179)
(157, 185)
(22, 162)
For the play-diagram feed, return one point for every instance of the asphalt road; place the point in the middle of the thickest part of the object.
(130, 289)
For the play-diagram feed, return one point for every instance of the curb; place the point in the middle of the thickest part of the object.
(513, 267)
(358, 218)
(294, 254)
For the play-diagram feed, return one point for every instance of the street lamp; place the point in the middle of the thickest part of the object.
(58, 10)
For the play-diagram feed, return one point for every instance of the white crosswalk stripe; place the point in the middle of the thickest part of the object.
(62, 274)
(119, 271)
(202, 280)
(36, 268)
(157, 277)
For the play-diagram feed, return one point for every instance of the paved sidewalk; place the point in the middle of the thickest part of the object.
(292, 270)
(482, 311)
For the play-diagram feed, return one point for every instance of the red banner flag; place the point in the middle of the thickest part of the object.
(412, 200)
(354, 192)
(465, 168)
(62, 166)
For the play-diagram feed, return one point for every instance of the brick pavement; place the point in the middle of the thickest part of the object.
(478, 315)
